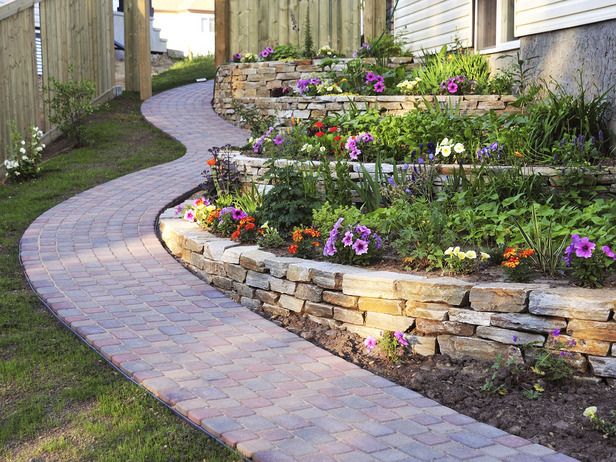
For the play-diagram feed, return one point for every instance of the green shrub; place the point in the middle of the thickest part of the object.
(324, 218)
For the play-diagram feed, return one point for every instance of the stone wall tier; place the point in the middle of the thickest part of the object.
(439, 314)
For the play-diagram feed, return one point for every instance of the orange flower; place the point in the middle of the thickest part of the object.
(527, 253)
(236, 235)
(292, 249)
(211, 162)
(249, 226)
(519, 155)
(316, 244)
(509, 252)
(297, 235)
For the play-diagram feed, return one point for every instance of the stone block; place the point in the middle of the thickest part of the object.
(338, 298)
(222, 282)
(476, 348)
(251, 303)
(528, 322)
(388, 322)
(329, 275)
(377, 284)
(424, 346)
(235, 272)
(291, 303)
(435, 290)
(214, 267)
(490, 106)
(499, 297)
(233, 254)
(243, 290)
(381, 305)
(588, 304)
(434, 311)
(469, 316)
(259, 280)
(349, 316)
(592, 330)
(196, 260)
(585, 346)
(299, 272)
(430, 327)
(508, 336)
(214, 250)
(308, 292)
(255, 260)
(320, 310)
(283, 286)
(363, 331)
(603, 366)
(267, 297)
(274, 310)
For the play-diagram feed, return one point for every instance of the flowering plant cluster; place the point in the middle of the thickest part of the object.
(326, 139)
(447, 146)
(408, 87)
(308, 86)
(393, 344)
(354, 244)
(257, 145)
(24, 157)
(326, 52)
(201, 211)
(305, 242)
(516, 264)
(458, 85)
(376, 81)
(460, 261)
(588, 266)
(353, 144)
(493, 151)
(605, 426)
(266, 54)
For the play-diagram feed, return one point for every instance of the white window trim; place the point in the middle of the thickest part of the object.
(500, 46)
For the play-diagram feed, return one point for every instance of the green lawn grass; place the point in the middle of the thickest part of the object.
(183, 72)
(58, 399)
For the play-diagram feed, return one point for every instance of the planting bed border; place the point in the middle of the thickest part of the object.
(441, 314)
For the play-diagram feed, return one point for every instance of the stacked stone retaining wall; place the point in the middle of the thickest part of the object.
(440, 315)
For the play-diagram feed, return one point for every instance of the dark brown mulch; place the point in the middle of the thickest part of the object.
(554, 420)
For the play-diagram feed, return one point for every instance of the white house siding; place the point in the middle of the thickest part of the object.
(430, 24)
(184, 32)
(534, 17)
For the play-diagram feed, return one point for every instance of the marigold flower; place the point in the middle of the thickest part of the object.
(527, 253)
(509, 252)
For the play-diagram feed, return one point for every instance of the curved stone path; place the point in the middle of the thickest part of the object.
(97, 263)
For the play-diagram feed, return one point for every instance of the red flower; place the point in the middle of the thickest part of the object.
(292, 249)
(318, 124)
(333, 129)
(249, 226)
(236, 235)
(211, 162)
(319, 134)
(337, 138)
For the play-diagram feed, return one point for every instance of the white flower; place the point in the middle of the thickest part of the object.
(446, 151)
(11, 164)
(43, 145)
(590, 411)
(23, 142)
(24, 157)
(449, 251)
(251, 140)
(461, 255)
(22, 150)
(459, 148)
(322, 149)
(39, 148)
(485, 256)
(445, 141)
(471, 254)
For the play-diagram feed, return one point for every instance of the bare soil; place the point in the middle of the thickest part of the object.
(554, 420)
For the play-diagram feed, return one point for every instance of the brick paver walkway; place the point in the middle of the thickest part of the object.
(97, 263)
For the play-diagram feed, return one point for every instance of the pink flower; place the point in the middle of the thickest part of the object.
(584, 248)
(452, 87)
(609, 253)
(189, 216)
(371, 77)
(360, 247)
(379, 87)
(347, 240)
(401, 340)
(370, 343)
(278, 140)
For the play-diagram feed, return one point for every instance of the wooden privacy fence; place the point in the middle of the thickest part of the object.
(73, 33)
(251, 25)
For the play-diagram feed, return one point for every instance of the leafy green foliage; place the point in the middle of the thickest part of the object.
(252, 119)
(282, 52)
(308, 40)
(323, 218)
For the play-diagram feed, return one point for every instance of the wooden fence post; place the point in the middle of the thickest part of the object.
(222, 31)
(137, 61)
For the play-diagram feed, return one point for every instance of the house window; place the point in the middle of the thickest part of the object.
(208, 24)
(494, 25)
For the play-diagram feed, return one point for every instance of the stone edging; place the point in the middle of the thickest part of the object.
(446, 315)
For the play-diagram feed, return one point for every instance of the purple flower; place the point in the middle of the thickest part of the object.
(556, 332)
(329, 249)
(347, 240)
(360, 247)
(584, 248)
(391, 181)
(366, 137)
(238, 214)
(189, 216)
(226, 210)
(237, 57)
(515, 339)
(571, 343)
(363, 230)
(371, 77)
(266, 52)
(400, 338)
(378, 242)
(452, 87)
(609, 253)
(370, 343)
(278, 140)
(379, 87)
(178, 209)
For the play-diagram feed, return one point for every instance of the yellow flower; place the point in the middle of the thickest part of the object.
(485, 256)
(538, 388)
(590, 411)
(449, 251)
(461, 255)
(471, 254)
